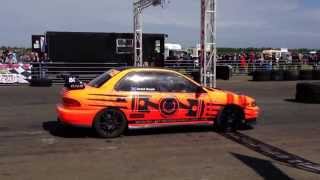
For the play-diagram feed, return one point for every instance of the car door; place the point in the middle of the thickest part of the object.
(143, 97)
(183, 100)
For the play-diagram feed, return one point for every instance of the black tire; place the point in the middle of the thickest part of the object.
(277, 75)
(308, 92)
(229, 119)
(40, 82)
(291, 75)
(110, 123)
(305, 75)
(262, 76)
(316, 75)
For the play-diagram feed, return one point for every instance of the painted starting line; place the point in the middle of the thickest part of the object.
(274, 153)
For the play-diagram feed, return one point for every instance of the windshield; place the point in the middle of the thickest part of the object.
(103, 78)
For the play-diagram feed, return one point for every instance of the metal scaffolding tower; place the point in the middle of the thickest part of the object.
(208, 53)
(138, 7)
(208, 57)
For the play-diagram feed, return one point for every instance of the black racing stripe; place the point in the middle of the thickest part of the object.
(120, 107)
(108, 95)
(109, 100)
(121, 100)
(133, 103)
(154, 105)
(183, 106)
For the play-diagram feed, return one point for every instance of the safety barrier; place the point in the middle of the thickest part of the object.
(88, 71)
(15, 73)
(187, 67)
(84, 71)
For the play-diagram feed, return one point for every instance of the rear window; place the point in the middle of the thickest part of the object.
(103, 78)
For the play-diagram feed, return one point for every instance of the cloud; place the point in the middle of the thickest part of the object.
(241, 23)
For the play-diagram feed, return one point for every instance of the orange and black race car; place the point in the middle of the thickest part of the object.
(147, 97)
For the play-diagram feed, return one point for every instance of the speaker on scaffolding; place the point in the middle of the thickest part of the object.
(224, 72)
(39, 77)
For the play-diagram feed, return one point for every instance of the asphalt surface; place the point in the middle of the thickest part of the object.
(32, 147)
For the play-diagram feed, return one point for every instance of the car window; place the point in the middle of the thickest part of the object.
(171, 82)
(138, 81)
(103, 78)
(156, 81)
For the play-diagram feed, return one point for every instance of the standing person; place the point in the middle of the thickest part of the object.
(36, 55)
(289, 58)
(1, 57)
(235, 62)
(252, 61)
(11, 59)
(243, 63)
(300, 56)
(43, 57)
(32, 57)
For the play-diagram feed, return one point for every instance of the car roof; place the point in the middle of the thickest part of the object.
(130, 69)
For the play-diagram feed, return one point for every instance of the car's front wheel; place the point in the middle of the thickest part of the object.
(110, 123)
(229, 119)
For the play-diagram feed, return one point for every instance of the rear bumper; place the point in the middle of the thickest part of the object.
(75, 117)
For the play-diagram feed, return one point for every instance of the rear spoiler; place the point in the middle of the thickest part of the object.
(72, 82)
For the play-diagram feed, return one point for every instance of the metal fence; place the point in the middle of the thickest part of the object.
(238, 68)
(184, 66)
(88, 71)
(84, 71)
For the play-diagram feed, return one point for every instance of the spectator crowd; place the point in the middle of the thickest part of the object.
(247, 62)
(12, 56)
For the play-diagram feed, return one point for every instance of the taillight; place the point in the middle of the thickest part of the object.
(70, 102)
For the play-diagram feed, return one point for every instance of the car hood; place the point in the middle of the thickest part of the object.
(228, 97)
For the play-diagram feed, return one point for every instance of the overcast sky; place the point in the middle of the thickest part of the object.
(241, 23)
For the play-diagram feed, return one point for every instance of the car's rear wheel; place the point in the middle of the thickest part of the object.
(229, 119)
(110, 123)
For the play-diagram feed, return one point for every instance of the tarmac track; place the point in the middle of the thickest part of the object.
(284, 145)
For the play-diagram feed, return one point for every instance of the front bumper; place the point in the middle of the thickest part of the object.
(75, 117)
(251, 113)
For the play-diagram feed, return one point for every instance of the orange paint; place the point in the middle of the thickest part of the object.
(150, 108)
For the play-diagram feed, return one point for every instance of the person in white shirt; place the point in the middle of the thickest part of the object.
(11, 59)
